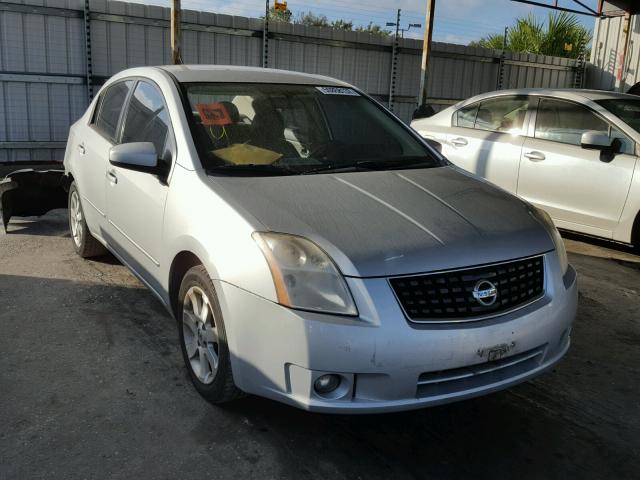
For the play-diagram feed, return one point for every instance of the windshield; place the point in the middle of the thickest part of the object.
(267, 129)
(627, 109)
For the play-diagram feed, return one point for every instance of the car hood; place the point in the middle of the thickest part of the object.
(385, 223)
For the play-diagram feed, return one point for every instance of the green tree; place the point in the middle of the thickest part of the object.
(310, 19)
(278, 16)
(530, 35)
(372, 28)
(341, 24)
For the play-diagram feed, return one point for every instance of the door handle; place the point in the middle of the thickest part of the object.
(459, 142)
(111, 175)
(535, 156)
(81, 149)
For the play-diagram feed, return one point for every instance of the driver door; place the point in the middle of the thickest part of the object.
(136, 199)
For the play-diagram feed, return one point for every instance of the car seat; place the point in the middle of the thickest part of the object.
(267, 129)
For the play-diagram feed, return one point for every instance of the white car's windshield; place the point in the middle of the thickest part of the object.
(297, 129)
(627, 109)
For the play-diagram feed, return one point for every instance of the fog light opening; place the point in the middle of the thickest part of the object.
(328, 383)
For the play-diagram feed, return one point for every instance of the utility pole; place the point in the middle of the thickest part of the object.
(394, 63)
(426, 51)
(176, 57)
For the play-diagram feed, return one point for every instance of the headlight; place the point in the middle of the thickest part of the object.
(545, 219)
(304, 275)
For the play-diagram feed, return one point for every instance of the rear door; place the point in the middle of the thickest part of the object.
(582, 189)
(90, 146)
(486, 139)
(136, 199)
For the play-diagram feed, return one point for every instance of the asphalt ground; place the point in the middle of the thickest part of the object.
(92, 385)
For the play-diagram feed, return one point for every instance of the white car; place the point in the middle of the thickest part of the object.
(573, 153)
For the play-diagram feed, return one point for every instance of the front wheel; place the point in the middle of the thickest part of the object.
(203, 338)
(84, 243)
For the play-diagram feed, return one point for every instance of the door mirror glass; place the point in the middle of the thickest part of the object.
(141, 156)
(595, 140)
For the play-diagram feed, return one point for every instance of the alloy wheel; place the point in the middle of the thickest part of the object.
(200, 335)
(75, 218)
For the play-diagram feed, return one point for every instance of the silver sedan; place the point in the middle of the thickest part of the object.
(312, 248)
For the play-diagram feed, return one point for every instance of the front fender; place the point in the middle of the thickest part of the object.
(199, 221)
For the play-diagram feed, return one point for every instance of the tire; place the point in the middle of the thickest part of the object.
(203, 338)
(84, 243)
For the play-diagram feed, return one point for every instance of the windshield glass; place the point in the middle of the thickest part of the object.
(627, 109)
(267, 129)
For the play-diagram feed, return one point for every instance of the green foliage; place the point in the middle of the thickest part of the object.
(311, 19)
(278, 16)
(342, 24)
(374, 29)
(532, 36)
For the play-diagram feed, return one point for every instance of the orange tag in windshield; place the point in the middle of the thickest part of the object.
(213, 114)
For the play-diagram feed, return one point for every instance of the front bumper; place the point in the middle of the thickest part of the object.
(387, 363)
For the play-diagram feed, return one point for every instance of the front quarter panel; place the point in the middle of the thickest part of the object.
(199, 221)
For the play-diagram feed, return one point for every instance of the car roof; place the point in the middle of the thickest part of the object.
(577, 94)
(236, 74)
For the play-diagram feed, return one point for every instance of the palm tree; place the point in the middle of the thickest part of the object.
(562, 36)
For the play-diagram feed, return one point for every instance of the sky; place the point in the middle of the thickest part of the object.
(456, 21)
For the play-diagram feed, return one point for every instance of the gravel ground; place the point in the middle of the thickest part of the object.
(92, 385)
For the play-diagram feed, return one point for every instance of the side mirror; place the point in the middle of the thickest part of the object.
(595, 140)
(140, 156)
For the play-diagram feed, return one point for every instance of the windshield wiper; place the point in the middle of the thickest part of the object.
(252, 169)
(397, 163)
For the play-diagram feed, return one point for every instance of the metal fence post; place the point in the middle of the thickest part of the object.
(394, 63)
(87, 49)
(265, 37)
(500, 79)
(578, 74)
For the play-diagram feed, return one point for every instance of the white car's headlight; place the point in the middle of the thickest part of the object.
(304, 275)
(545, 219)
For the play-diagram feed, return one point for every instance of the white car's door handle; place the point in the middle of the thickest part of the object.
(459, 142)
(81, 149)
(535, 156)
(111, 175)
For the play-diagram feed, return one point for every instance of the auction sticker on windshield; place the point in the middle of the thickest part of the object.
(338, 91)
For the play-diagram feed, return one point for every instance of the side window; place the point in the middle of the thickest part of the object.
(502, 115)
(111, 107)
(466, 116)
(146, 119)
(565, 122)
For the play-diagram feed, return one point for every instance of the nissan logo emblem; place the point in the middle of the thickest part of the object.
(485, 293)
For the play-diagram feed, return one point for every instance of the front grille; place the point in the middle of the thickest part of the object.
(449, 295)
(446, 382)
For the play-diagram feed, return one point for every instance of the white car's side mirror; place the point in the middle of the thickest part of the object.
(141, 156)
(595, 140)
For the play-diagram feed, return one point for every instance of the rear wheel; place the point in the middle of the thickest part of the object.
(84, 243)
(203, 338)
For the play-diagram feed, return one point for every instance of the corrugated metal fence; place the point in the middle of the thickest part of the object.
(47, 64)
